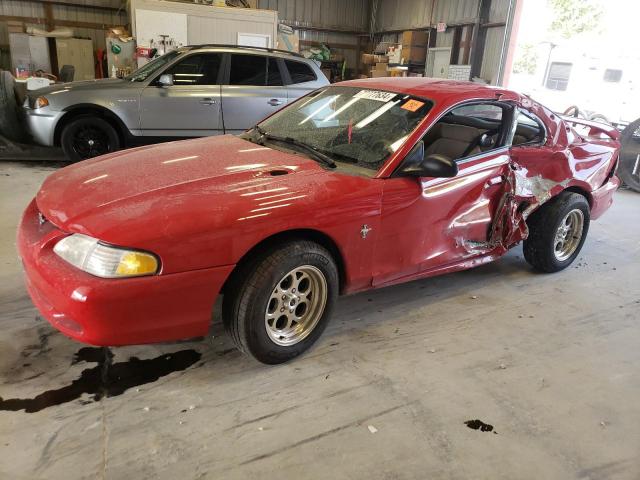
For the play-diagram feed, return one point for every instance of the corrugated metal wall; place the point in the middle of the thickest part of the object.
(402, 14)
(413, 14)
(492, 54)
(350, 15)
(339, 15)
(20, 8)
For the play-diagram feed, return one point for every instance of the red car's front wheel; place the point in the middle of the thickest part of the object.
(278, 303)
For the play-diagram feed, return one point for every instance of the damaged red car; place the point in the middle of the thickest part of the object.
(356, 186)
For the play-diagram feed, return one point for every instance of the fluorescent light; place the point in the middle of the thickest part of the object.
(322, 107)
(341, 109)
(376, 114)
(245, 150)
(99, 177)
(263, 191)
(181, 159)
(286, 199)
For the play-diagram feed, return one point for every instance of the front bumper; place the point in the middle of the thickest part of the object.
(112, 312)
(41, 124)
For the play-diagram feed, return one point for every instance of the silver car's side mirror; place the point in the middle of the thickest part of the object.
(165, 80)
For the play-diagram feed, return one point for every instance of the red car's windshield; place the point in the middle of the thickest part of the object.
(351, 125)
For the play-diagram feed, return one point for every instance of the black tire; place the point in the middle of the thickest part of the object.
(88, 136)
(629, 170)
(9, 124)
(598, 117)
(540, 247)
(250, 290)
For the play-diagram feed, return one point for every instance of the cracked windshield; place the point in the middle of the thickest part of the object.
(348, 125)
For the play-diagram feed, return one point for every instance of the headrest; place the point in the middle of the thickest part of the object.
(461, 133)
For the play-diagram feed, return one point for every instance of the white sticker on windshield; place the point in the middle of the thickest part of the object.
(375, 95)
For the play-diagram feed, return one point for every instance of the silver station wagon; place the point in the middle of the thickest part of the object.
(190, 92)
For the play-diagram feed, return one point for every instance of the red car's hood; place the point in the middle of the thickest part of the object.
(171, 172)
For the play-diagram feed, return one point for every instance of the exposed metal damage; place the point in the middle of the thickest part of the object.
(523, 195)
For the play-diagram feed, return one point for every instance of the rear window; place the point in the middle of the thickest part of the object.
(300, 72)
(255, 70)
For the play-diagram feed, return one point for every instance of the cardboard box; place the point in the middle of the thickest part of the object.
(414, 54)
(379, 73)
(415, 37)
(395, 54)
(368, 59)
(372, 59)
(381, 66)
(15, 27)
(289, 42)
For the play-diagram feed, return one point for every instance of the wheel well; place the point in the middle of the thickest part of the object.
(581, 191)
(95, 110)
(299, 234)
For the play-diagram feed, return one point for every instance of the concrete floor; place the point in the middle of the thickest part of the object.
(550, 361)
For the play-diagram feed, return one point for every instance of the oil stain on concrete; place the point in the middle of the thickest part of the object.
(106, 379)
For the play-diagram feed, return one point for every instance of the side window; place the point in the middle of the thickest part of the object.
(612, 75)
(479, 110)
(465, 131)
(300, 72)
(528, 130)
(274, 79)
(558, 76)
(199, 69)
(248, 70)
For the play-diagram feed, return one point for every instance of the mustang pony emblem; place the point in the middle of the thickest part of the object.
(364, 231)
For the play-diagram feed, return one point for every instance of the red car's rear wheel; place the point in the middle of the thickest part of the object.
(629, 169)
(557, 231)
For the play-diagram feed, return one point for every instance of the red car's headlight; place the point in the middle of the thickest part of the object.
(91, 256)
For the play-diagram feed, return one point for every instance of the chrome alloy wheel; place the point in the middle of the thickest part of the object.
(568, 235)
(296, 305)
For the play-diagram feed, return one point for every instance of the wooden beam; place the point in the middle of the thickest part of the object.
(467, 45)
(331, 44)
(48, 16)
(323, 29)
(75, 4)
(57, 22)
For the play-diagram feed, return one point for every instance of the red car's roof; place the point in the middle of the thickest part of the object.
(433, 88)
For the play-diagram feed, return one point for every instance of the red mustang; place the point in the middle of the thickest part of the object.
(358, 185)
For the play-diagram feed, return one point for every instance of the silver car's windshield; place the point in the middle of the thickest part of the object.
(153, 66)
(350, 124)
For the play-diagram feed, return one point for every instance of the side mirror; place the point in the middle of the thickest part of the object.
(433, 165)
(165, 80)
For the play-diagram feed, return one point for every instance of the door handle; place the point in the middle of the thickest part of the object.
(207, 101)
(494, 181)
(275, 102)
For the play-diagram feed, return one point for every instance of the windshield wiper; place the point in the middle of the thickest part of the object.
(324, 158)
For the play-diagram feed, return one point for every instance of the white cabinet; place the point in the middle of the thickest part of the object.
(202, 23)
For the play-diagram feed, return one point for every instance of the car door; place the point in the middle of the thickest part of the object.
(434, 224)
(301, 79)
(253, 89)
(191, 106)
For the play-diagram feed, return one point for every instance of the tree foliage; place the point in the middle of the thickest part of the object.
(526, 60)
(575, 16)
